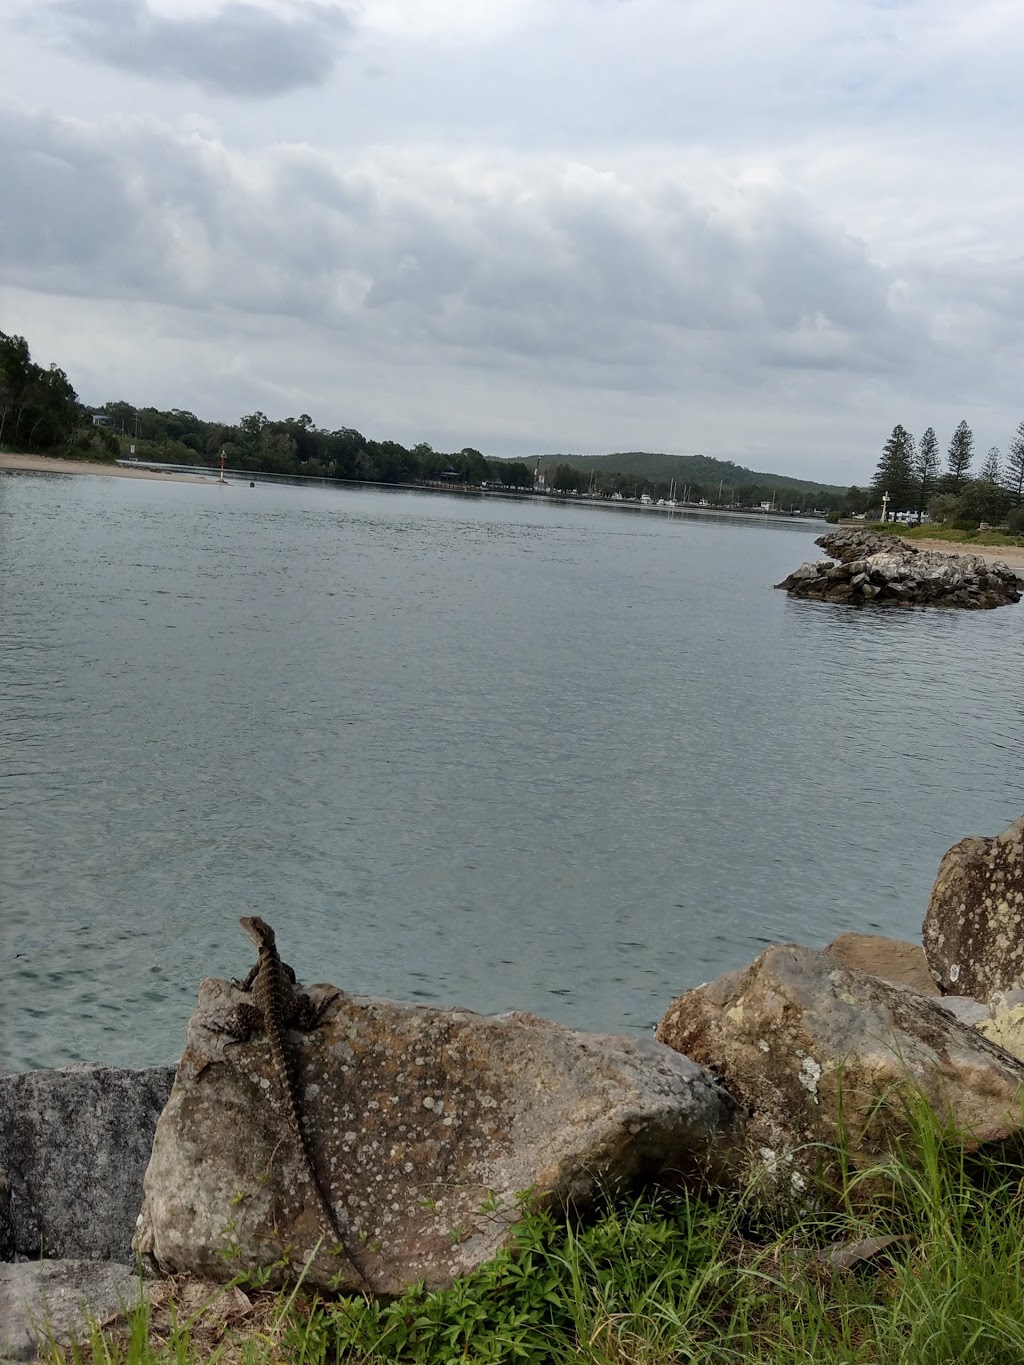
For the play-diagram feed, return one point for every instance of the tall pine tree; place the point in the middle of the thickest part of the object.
(992, 470)
(959, 457)
(926, 469)
(895, 472)
(1013, 479)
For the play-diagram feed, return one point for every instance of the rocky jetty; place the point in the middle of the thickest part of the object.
(867, 568)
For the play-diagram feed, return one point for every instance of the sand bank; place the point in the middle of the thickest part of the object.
(44, 464)
(1009, 554)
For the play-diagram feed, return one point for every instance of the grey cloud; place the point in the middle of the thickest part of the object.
(239, 50)
(634, 284)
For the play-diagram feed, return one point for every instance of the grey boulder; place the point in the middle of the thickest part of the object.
(430, 1129)
(74, 1145)
(974, 928)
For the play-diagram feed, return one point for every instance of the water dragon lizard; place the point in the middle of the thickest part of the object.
(279, 1004)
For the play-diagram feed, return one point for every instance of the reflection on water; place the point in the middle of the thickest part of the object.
(510, 756)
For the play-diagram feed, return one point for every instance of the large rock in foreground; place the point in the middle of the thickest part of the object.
(797, 1037)
(895, 573)
(74, 1144)
(428, 1126)
(974, 927)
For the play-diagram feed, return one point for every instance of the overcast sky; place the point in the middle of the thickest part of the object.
(766, 230)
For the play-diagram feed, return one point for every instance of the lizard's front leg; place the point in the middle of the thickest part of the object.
(306, 1016)
(246, 985)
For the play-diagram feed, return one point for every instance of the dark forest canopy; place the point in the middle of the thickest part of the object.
(39, 410)
(38, 407)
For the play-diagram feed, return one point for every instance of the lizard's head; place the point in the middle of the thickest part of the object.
(258, 930)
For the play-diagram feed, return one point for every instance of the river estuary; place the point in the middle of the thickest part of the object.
(457, 750)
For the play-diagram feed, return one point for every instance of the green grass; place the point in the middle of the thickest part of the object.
(947, 533)
(667, 1280)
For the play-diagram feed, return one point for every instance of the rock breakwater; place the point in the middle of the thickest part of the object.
(865, 568)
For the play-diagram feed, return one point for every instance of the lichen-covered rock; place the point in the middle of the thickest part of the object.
(809, 1046)
(974, 928)
(1005, 1022)
(893, 959)
(427, 1126)
(886, 571)
(74, 1144)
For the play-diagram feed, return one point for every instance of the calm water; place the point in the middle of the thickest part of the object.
(502, 755)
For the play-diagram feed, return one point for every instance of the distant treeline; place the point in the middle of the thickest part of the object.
(39, 410)
(733, 487)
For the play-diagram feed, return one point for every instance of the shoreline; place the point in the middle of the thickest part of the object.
(1012, 555)
(48, 464)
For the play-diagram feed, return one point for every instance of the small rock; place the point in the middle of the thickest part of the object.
(55, 1301)
(971, 1012)
(893, 959)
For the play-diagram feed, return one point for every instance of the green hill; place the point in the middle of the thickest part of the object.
(692, 469)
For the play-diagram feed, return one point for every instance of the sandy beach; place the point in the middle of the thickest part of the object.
(44, 464)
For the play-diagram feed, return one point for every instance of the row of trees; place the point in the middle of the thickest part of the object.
(297, 446)
(912, 475)
(39, 410)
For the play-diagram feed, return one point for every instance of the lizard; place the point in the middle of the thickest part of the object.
(279, 1004)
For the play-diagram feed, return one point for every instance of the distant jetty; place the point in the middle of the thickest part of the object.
(866, 568)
